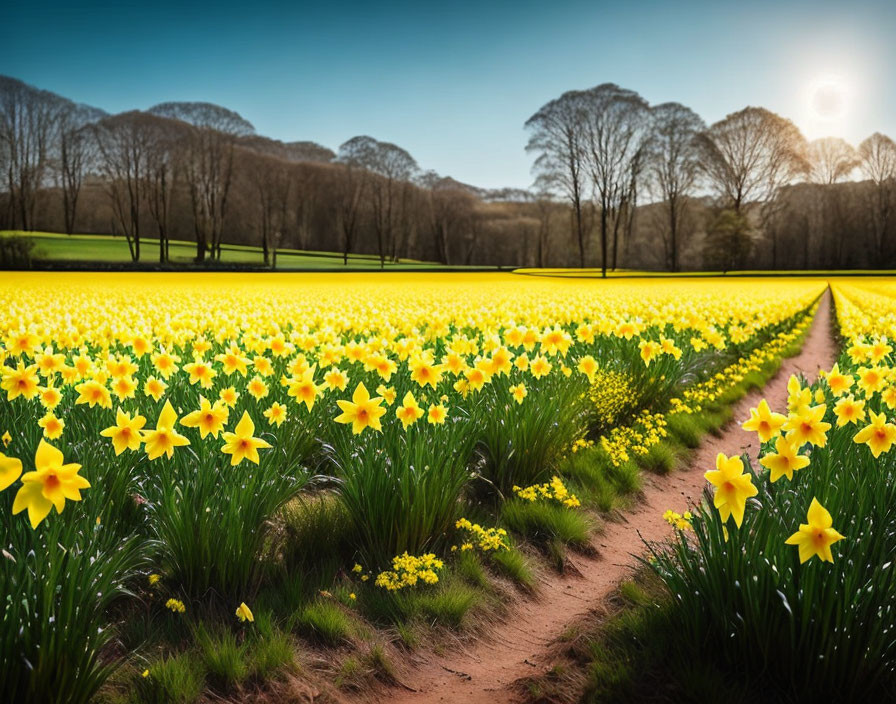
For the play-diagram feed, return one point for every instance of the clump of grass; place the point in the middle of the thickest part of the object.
(661, 458)
(543, 521)
(521, 445)
(223, 657)
(513, 564)
(325, 622)
(447, 606)
(469, 567)
(686, 429)
(270, 655)
(378, 661)
(597, 481)
(177, 679)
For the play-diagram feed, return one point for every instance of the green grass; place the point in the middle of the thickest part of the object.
(546, 521)
(224, 658)
(177, 679)
(111, 249)
(324, 621)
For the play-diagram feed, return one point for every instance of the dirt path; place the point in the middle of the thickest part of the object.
(485, 671)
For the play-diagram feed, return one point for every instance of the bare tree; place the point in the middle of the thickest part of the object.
(124, 143)
(208, 166)
(877, 154)
(674, 167)
(272, 182)
(390, 167)
(617, 129)
(558, 137)
(29, 122)
(450, 209)
(831, 159)
(749, 156)
(165, 141)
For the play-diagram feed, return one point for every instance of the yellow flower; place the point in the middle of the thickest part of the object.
(200, 372)
(518, 392)
(244, 613)
(240, 444)
(409, 412)
(587, 366)
(21, 381)
(52, 425)
(49, 485)
(785, 461)
(154, 387)
(436, 414)
(838, 383)
(93, 393)
(164, 438)
(303, 388)
(362, 411)
(806, 425)
(49, 397)
(733, 487)
(257, 388)
(10, 470)
(763, 422)
(276, 414)
(125, 433)
(848, 410)
(540, 367)
(175, 605)
(878, 435)
(153, 579)
(816, 536)
(145, 673)
(210, 419)
(6, 438)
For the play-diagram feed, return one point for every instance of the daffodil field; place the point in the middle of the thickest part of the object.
(788, 571)
(237, 460)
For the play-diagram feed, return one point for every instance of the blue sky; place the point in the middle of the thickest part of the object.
(454, 82)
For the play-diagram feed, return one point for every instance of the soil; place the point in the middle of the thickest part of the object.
(483, 671)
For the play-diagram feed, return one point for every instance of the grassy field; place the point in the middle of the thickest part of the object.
(55, 247)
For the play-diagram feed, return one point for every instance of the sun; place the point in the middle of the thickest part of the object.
(828, 99)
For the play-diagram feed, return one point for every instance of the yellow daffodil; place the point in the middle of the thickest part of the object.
(362, 411)
(244, 613)
(816, 536)
(240, 444)
(764, 422)
(164, 438)
(210, 419)
(784, 461)
(49, 485)
(879, 435)
(733, 486)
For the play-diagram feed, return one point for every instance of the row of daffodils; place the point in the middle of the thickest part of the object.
(155, 428)
(787, 569)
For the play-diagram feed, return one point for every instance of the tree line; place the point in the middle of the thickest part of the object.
(605, 149)
(618, 184)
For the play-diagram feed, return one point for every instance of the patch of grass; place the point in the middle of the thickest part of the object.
(513, 564)
(469, 567)
(177, 679)
(544, 521)
(596, 481)
(324, 621)
(686, 429)
(661, 458)
(378, 661)
(270, 655)
(223, 657)
(351, 670)
(447, 606)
